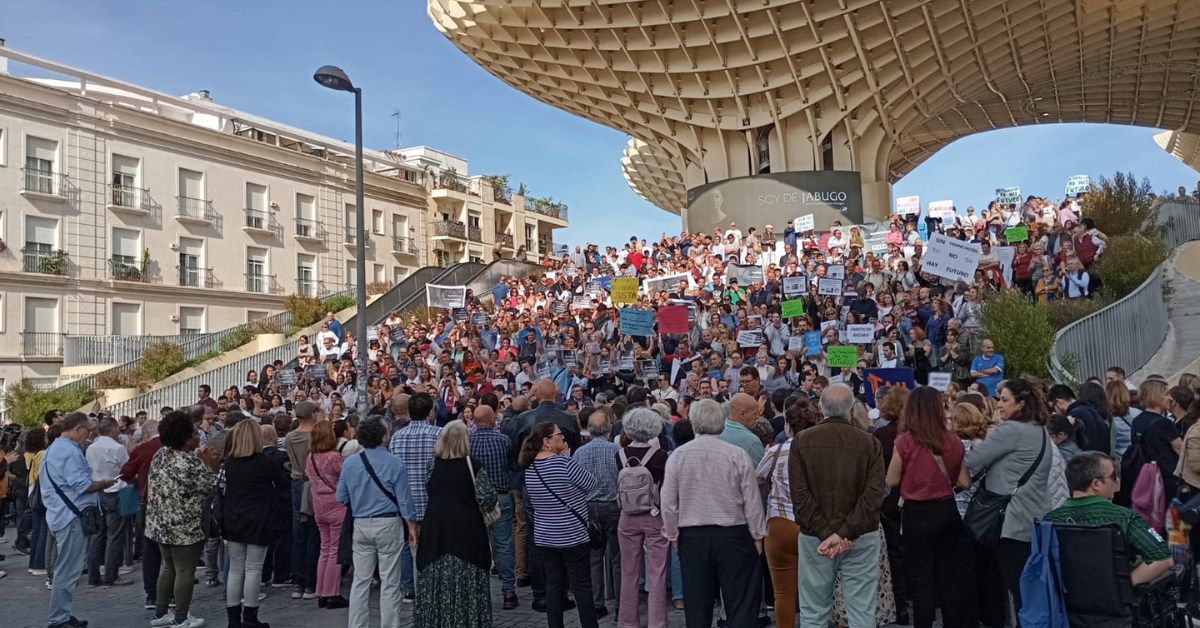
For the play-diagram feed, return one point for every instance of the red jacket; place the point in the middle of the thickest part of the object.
(138, 466)
(1085, 249)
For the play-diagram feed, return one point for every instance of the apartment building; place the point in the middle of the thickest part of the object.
(471, 218)
(125, 211)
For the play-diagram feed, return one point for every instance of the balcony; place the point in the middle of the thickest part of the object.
(261, 222)
(351, 239)
(41, 344)
(307, 287)
(125, 268)
(475, 234)
(450, 229)
(504, 240)
(404, 246)
(195, 277)
(195, 211)
(45, 185)
(546, 207)
(38, 259)
(309, 231)
(123, 199)
(258, 283)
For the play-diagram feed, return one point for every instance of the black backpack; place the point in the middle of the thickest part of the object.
(1131, 466)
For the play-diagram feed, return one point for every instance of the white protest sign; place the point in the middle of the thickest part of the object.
(951, 259)
(794, 286)
(827, 324)
(749, 338)
(860, 334)
(829, 286)
(446, 297)
(1008, 196)
(835, 272)
(805, 223)
(1079, 184)
(941, 209)
(796, 343)
(1006, 255)
(908, 205)
(939, 381)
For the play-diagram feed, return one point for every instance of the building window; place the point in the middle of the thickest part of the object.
(351, 224)
(192, 200)
(255, 315)
(399, 274)
(41, 161)
(306, 275)
(256, 206)
(191, 321)
(125, 262)
(41, 243)
(443, 258)
(191, 264)
(41, 317)
(351, 274)
(256, 270)
(126, 319)
(306, 216)
(125, 189)
(475, 220)
(377, 221)
(3, 149)
(379, 273)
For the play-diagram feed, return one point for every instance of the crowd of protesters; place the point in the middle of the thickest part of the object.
(731, 466)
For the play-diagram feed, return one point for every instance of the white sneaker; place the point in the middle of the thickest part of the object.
(192, 622)
(3, 573)
(167, 619)
(125, 570)
(37, 572)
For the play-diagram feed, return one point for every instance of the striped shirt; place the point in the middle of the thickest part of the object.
(414, 445)
(554, 525)
(599, 457)
(710, 482)
(774, 467)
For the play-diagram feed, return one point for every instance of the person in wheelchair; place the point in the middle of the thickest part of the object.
(1093, 482)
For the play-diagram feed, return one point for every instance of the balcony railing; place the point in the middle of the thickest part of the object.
(45, 182)
(47, 344)
(504, 240)
(553, 211)
(258, 283)
(129, 198)
(46, 262)
(475, 234)
(450, 228)
(308, 228)
(261, 221)
(197, 209)
(195, 277)
(125, 268)
(307, 287)
(404, 245)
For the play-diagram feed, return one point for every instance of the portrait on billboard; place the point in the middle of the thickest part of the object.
(826, 195)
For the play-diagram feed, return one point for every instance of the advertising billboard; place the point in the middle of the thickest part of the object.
(775, 199)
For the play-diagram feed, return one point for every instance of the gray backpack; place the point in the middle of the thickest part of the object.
(636, 491)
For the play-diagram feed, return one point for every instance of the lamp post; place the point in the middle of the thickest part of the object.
(334, 78)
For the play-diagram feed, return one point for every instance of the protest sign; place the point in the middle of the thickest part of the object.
(315, 373)
(746, 274)
(445, 297)
(950, 258)
(637, 322)
(805, 223)
(543, 371)
(458, 314)
(827, 324)
(568, 357)
(625, 361)
(906, 205)
(604, 366)
(1079, 184)
(479, 319)
(558, 307)
(396, 334)
(604, 282)
(647, 369)
(836, 271)
(939, 381)
(795, 343)
(829, 286)
(1016, 234)
(812, 343)
(667, 282)
(624, 290)
(749, 338)
(842, 356)
(878, 378)
(1006, 255)
(1008, 196)
(943, 210)
(582, 302)
(372, 333)
(498, 383)
(285, 377)
(793, 307)
(673, 319)
(795, 286)
(860, 334)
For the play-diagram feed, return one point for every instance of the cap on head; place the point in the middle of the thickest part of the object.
(305, 409)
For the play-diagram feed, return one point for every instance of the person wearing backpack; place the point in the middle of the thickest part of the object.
(642, 464)
(1153, 438)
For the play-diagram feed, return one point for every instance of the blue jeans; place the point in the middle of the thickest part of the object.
(859, 573)
(502, 532)
(407, 578)
(676, 575)
(37, 542)
(72, 551)
(306, 544)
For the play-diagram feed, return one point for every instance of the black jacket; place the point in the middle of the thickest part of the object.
(250, 502)
(1096, 430)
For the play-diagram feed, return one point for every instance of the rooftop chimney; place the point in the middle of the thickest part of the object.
(204, 94)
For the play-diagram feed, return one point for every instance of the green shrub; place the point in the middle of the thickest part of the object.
(121, 378)
(305, 310)
(378, 287)
(161, 360)
(266, 326)
(337, 303)
(1127, 261)
(200, 359)
(1021, 332)
(1121, 205)
(27, 405)
(1063, 312)
(239, 337)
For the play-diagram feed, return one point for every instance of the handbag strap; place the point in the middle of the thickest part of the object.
(555, 495)
(371, 471)
(1032, 468)
(942, 465)
(70, 504)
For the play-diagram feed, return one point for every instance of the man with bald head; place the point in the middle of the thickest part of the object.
(397, 414)
(546, 392)
(490, 448)
(743, 412)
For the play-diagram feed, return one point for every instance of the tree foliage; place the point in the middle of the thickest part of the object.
(1121, 205)
(1021, 332)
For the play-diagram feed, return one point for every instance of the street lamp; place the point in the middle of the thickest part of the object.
(334, 78)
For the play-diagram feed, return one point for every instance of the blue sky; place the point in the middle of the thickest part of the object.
(259, 57)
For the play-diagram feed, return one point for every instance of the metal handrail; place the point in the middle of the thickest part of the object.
(45, 181)
(84, 350)
(1129, 332)
(308, 228)
(44, 344)
(194, 208)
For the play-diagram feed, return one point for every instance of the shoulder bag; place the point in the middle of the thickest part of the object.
(212, 515)
(90, 518)
(984, 520)
(596, 538)
(490, 516)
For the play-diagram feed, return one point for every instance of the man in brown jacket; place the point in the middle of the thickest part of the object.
(837, 481)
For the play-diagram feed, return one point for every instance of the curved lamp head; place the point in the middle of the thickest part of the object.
(333, 78)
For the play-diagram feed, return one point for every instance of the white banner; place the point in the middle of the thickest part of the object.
(829, 286)
(1006, 255)
(795, 286)
(942, 209)
(666, 282)
(447, 297)
(906, 205)
(835, 272)
(805, 223)
(1008, 196)
(860, 334)
(950, 258)
(1079, 184)
(939, 381)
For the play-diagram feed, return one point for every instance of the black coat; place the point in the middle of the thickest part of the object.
(250, 502)
(1095, 428)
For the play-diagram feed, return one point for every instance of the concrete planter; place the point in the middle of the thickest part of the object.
(266, 342)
